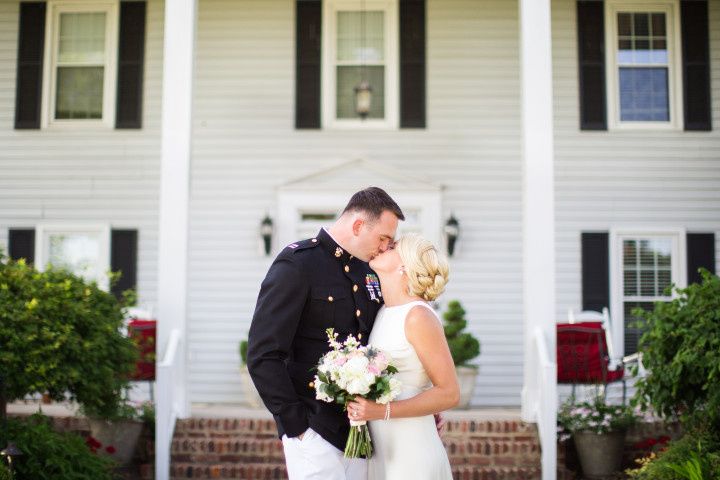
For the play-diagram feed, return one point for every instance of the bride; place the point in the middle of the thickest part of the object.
(406, 442)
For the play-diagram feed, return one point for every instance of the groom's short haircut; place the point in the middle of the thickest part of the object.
(373, 201)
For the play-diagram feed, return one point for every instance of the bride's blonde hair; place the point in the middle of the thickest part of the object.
(426, 269)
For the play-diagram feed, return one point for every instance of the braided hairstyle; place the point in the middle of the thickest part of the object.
(426, 269)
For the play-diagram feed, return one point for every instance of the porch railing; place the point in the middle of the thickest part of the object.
(547, 405)
(167, 410)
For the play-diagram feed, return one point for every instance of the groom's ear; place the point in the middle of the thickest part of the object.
(357, 225)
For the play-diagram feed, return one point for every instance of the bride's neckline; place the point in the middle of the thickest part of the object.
(406, 304)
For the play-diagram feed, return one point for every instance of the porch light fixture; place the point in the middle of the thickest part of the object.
(363, 97)
(452, 232)
(266, 231)
(363, 91)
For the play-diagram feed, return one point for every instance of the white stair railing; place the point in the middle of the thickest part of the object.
(547, 405)
(167, 410)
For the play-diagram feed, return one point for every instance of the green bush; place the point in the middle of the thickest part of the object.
(243, 351)
(60, 334)
(695, 456)
(49, 455)
(4, 472)
(463, 346)
(681, 351)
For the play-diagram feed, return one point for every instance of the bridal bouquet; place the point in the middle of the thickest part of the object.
(351, 369)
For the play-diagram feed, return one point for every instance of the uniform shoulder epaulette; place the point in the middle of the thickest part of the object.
(303, 244)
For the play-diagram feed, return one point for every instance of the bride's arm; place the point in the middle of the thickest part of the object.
(426, 335)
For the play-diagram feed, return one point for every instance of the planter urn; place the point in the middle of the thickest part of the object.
(466, 378)
(600, 453)
(252, 397)
(118, 440)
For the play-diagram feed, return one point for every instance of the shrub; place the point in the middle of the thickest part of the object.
(60, 334)
(4, 472)
(243, 348)
(697, 451)
(463, 346)
(49, 455)
(681, 351)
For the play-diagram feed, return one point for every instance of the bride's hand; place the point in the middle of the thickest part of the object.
(362, 409)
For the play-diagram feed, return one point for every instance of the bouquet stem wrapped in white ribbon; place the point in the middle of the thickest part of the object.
(349, 370)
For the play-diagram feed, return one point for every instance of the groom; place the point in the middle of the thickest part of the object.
(315, 284)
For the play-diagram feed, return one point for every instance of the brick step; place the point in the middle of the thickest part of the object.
(255, 471)
(262, 471)
(460, 450)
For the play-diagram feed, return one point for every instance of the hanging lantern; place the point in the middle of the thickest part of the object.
(363, 99)
(452, 232)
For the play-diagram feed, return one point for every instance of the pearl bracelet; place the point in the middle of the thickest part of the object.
(387, 411)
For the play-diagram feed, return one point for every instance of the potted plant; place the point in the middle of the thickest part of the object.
(598, 431)
(463, 348)
(115, 431)
(252, 397)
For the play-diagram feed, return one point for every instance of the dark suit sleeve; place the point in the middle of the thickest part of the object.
(279, 307)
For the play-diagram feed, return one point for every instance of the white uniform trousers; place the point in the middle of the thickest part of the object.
(314, 458)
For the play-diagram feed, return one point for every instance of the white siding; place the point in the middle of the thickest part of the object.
(606, 179)
(245, 146)
(83, 176)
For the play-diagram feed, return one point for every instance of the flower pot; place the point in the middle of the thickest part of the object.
(115, 439)
(252, 397)
(600, 453)
(466, 379)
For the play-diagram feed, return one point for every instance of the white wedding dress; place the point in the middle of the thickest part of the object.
(405, 448)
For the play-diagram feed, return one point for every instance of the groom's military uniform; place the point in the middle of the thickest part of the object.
(311, 286)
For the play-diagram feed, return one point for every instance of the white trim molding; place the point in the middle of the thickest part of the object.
(671, 9)
(678, 271)
(52, 30)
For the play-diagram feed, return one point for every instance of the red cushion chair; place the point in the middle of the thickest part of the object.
(144, 332)
(582, 356)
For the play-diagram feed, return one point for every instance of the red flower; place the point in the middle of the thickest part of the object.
(110, 449)
(92, 442)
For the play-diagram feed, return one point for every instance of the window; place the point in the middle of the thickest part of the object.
(643, 58)
(81, 249)
(361, 44)
(81, 50)
(646, 263)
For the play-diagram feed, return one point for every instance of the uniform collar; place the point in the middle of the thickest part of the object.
(332, 247)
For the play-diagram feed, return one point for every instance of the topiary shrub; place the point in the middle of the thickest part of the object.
(243, 348)
(49, 455)
(463, 346)
(681, 351)
(60, 334)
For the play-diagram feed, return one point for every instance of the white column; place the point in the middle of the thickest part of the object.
(538, 215)
(178, 53)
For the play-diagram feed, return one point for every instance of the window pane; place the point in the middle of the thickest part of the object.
(658, 25)
(630, 288)
(625, 24)
(355, 45)
(348, 78)
(647, 283)
(82, 38)
(79, 92)
(629, 252)
(641, 24)
(644, 94)
(79, 253)
(633, 325)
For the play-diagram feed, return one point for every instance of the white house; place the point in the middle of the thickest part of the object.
(575, 141)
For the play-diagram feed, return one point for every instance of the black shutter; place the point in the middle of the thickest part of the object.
(123, 258)
(131, 54)
(595, 271)
(412, 63)
(308, 30)
(21, 244)
(28, 89)
(591, 63)
(700, 253)
(696, 64)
